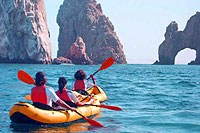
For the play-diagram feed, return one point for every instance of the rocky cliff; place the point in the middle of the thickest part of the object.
(176, 41)
(85, 18)
(24, 36)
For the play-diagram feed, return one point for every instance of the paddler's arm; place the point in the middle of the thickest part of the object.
(64, 105)
(94, 80)
(51, 93)
(88, 83)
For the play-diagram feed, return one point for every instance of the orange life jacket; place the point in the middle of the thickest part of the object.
(38, 94)
(79, 85)
(63, 96)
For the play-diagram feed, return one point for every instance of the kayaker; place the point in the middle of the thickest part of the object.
(68, 96)
(81, 84)
(42, 95)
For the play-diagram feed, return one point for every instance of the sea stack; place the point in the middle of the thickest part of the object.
(24, 35)
(85, 19)
(175, 41)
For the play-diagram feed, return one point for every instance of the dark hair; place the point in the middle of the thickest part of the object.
(40, 78)
(80, 75)
(61, 83)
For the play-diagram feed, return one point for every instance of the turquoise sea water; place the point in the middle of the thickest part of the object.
(154, 99)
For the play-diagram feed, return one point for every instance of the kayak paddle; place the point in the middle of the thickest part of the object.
(90, 121)
(25, 77)
(107, 63)
(108, 107)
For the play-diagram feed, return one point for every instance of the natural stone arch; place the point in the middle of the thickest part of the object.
(185, 56)
(176, 41)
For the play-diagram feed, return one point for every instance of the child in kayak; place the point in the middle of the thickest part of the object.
(68, 96)
(81, 84)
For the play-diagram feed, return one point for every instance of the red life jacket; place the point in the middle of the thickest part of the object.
(79, 85)
(63, 96)
(38, 94)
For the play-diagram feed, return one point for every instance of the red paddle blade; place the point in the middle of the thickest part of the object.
(93, 122)
(28, 97)
(25, 77)
(110, 107)
(107, 63)
(90, 121)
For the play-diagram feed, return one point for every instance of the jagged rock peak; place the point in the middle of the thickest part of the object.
(171, 28)
(24, 35)
(85, 18)
(176, 41)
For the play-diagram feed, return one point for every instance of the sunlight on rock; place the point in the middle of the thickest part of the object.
(185, 56)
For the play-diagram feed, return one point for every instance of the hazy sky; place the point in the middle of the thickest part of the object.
(139, 24)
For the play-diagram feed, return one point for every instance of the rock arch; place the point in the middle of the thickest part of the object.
(185, 56)
(176, 41)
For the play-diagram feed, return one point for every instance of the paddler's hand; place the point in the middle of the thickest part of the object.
(95, 85)
(92, 76)
(93, 79)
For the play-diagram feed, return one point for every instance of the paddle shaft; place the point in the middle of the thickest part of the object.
(92, 105)
(81, 115)
(108, 107)
(93, 74)
(107, 63)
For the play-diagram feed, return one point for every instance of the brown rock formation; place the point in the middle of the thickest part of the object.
(176, 41)
(77, 53)
(24, 36)
(62, 60)
(84, 18)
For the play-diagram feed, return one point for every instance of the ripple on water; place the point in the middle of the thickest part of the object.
(186, 83)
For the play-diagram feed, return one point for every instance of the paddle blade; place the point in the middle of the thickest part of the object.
(25, 77)
(28, 97)
(93, 122)
(110, 107)
(90, 121)
(107, 63)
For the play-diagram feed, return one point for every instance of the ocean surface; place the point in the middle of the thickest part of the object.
(154, 99)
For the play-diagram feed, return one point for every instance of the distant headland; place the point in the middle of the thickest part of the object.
(86, 35)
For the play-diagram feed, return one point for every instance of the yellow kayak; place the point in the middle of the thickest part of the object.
(26, 113)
